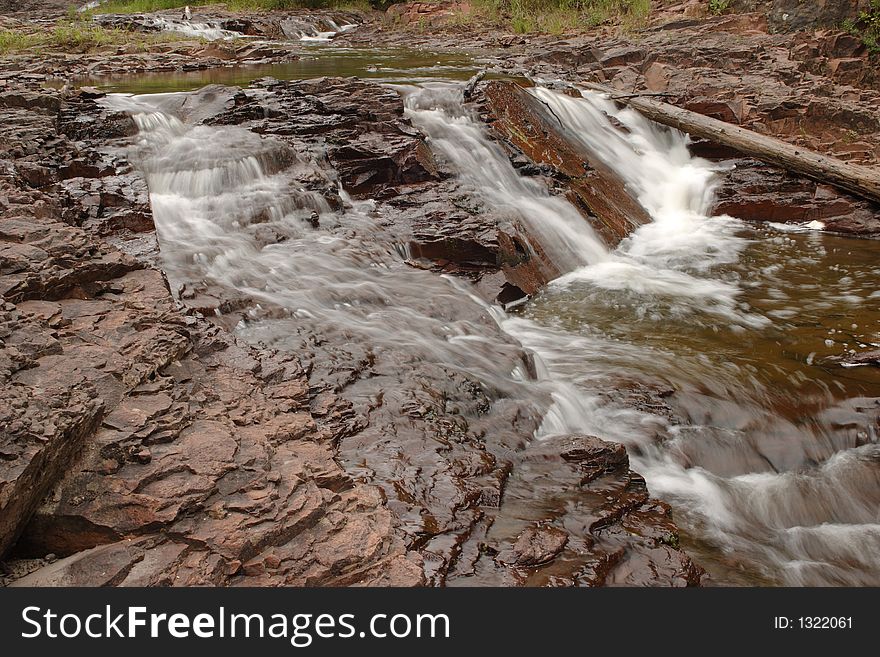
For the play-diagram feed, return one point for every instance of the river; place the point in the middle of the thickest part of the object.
(765, 449)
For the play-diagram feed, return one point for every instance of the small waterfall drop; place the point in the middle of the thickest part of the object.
(814, 507)
(210, 30)
(765, 458)
(217, 191)
(484, 168)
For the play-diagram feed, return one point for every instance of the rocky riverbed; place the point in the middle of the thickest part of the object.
(200, 459)
(164, 426)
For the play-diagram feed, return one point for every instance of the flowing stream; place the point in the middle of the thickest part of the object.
(768, 456)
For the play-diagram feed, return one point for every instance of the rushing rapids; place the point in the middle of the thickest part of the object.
(318, 28)
(769, 457)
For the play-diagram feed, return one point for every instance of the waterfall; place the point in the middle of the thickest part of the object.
(216, 192)
(788, 523)
(318, 29)
(802, 524)
(485, 169)
(210, 30)
(770, 471)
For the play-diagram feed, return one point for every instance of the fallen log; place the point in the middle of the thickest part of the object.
(861, 181)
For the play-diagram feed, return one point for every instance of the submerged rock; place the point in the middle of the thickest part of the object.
(864, 358)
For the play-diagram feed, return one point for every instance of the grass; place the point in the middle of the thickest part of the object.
(12, 41)
(141, 6)
(718, 7)
(561, 16)
(75, 36)
(867, 27)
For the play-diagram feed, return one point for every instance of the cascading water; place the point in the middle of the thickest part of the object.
(797, 495)
(787, 499)
(317, 28)
(216, 198)
(666, 256)
(483, 167)
(320, 29)
(771, 462)
(210, 30)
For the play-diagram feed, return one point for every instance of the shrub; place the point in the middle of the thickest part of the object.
(867, 27)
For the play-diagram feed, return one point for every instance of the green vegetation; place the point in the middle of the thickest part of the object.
(867, 27)
(549, 16)
(75, 36)
(144, 6)
(718, 7)
(11, 41)
(559, 16)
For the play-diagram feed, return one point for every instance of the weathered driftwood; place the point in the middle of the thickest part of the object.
(859, 180)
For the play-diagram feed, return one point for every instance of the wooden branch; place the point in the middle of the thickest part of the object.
(859, 180)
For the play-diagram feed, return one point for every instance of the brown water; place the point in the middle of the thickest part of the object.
(767, 432)
(381, 65)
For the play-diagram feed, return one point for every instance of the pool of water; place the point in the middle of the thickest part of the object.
(383, 65)
(770, 436)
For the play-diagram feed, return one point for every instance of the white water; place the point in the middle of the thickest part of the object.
(668, 257)
(205, 29)
(224, 217)
(319, 29)
(316, 29)
(93, 4)
(816, 525)
(741, 477)
(483, 167)
(799, 526)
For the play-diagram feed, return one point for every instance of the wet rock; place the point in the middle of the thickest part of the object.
(511, 296)
(203, 104)
(595, 456)
(371, 144)
(170, 453)
(216, 24)
(595, 190)
(523, 261)
(535, 546)
(863, 358)
(463, 253)
(606, 530)
(214, 462)
(753, 191)
(371, 163)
